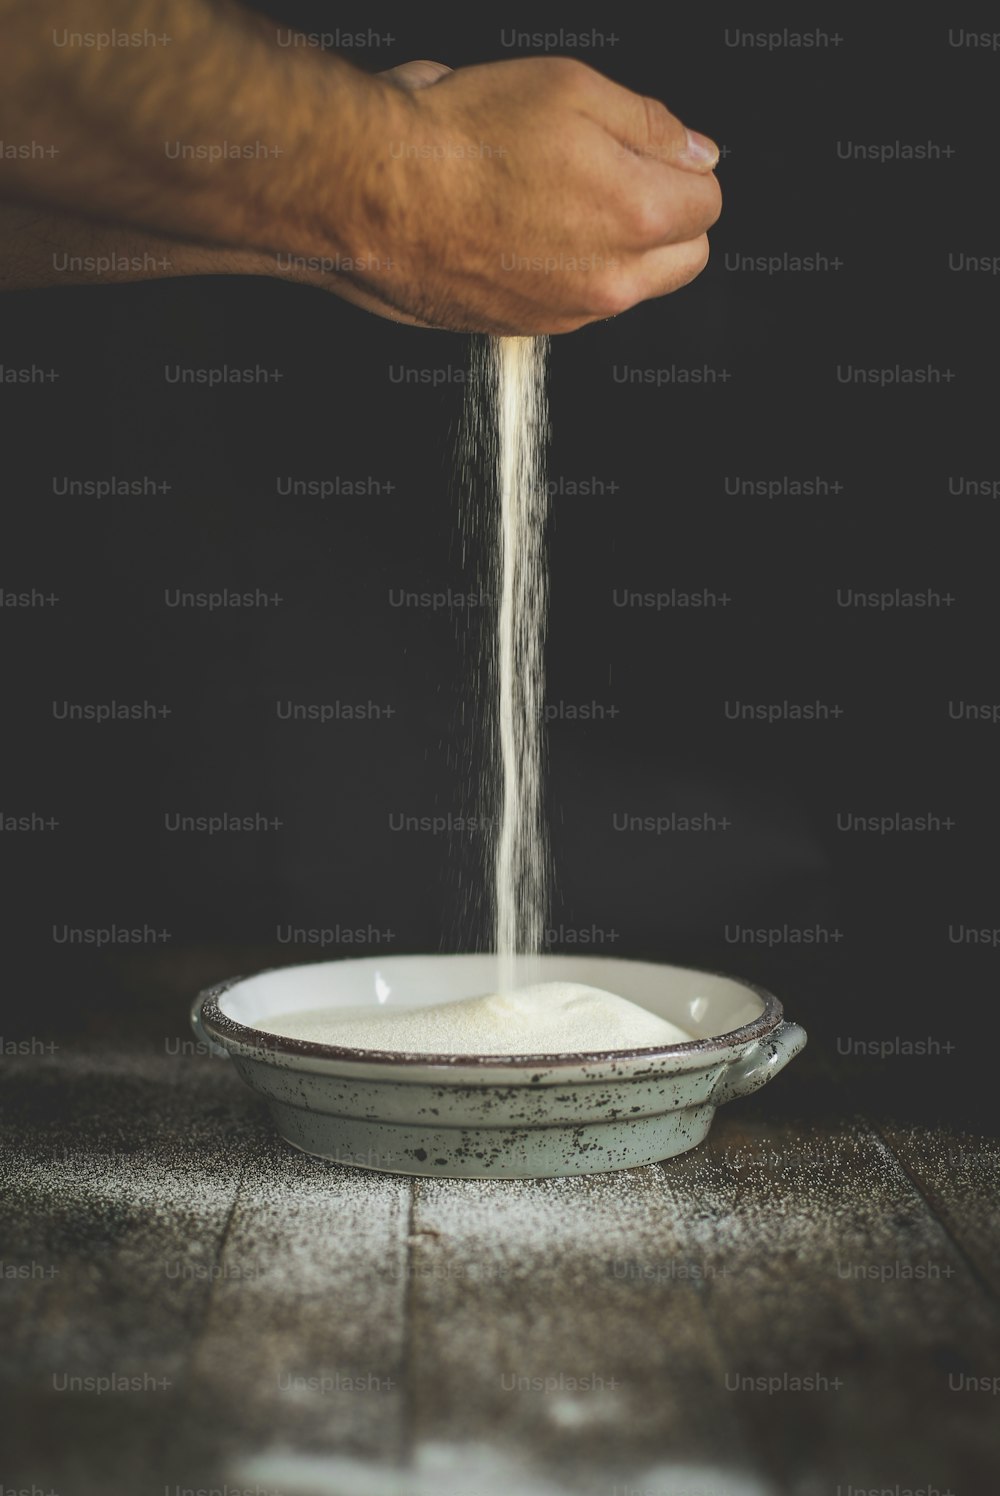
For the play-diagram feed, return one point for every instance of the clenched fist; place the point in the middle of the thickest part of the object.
(528, 196)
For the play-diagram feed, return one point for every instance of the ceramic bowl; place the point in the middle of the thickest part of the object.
(496, 1117)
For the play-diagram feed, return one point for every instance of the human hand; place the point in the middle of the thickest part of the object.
(528, 196)
(519, 197)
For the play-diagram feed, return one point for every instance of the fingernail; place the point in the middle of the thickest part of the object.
(700, 151)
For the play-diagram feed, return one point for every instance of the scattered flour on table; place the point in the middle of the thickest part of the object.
(441, 1469)
(547, 1018)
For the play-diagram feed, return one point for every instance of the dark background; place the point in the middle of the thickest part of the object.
(894, 973)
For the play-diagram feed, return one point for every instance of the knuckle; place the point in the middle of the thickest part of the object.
(713, 204)
(704, 249)
(612, 293)
(685, 220)
(571, 73)
(696, 259)
(649, 217)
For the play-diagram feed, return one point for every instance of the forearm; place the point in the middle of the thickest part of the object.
(42, 246)
(522, 197)
(215, 133)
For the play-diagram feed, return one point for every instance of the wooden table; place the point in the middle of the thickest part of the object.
(806, 1304)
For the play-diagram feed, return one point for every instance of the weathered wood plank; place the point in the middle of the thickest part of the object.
(189, 1244)
(302, 1345)
(936, 1111)
(958, 1172)
(808, 1253)
(565, 1318)
(170, 1238)
(837, 1270)
(119, 1175)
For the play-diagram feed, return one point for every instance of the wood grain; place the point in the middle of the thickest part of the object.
(543, 1336)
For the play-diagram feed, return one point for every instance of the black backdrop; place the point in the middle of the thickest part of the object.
(893, 959)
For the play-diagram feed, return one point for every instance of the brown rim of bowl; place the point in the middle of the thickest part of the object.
(218, 1026)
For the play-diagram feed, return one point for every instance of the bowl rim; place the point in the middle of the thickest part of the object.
(221, 1028)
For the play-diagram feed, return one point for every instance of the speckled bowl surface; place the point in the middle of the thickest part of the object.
(489, 1116)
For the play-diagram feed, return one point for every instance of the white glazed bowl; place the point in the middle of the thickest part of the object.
(496, 1116)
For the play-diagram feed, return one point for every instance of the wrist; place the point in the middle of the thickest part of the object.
(347, 199)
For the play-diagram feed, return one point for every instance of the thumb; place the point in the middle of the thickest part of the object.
(414, 75)
(645, 127)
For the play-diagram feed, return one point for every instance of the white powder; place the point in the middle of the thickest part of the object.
(514, 379)
(548, 1018)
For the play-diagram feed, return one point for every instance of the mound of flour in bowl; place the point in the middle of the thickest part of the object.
(547, 1018)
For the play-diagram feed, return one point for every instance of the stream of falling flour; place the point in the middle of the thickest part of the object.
(516, 370)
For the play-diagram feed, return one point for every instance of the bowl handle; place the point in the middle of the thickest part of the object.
(761, 1061)
(199, 1028)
